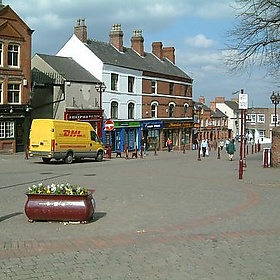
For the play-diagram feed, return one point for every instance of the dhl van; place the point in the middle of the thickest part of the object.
(66, 140)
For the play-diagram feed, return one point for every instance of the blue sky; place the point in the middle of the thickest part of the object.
(196, 28)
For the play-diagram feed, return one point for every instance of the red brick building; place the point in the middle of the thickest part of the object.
(15, 80)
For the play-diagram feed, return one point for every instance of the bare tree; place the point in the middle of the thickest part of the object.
(255, 40)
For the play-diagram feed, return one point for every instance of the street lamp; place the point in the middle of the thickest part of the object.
(275, 99)
(198, 109)
(100, 88)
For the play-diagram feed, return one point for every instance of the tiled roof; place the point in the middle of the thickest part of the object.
(130, 59)
(69, 69)
(218, 114)
(232, 104)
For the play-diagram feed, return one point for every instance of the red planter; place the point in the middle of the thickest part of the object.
(52, 207)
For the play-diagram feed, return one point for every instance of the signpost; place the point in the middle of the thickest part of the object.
(109, 125)
(243, 106)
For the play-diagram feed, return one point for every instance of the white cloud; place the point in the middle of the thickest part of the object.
(200, 41)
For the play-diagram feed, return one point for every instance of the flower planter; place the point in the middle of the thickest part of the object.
(60, 207)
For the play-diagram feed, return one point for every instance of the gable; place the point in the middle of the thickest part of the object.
(11, 25)
(8, 31)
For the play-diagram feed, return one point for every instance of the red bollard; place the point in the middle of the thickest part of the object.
(219, 153)
(265, 158)
(252, 148)
(155, 151)
(109, 152)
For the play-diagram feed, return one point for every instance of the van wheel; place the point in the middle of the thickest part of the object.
(46, 160)
(69, 158)
(99, 156)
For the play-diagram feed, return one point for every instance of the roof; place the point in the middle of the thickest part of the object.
(131, 59)
(232, 104)
(218, 114)
(69, 69)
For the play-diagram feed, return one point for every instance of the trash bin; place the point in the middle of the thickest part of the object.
(266, 157)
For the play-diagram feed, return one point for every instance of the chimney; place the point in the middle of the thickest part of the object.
(157, 49)
(116, 37)
(137, 42)
(213, 106)
(80, 30)
(201, 100)
(169, 52)
(219, 99)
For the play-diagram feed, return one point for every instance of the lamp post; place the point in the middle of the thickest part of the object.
(100, 88)
(199, 108)
(275, 99)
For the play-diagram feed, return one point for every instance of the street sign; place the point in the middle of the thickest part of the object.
(109, 125)
(243, 101)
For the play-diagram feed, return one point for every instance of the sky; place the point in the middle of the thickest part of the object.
(197, 29)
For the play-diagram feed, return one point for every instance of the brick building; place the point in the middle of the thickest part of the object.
(15, 80)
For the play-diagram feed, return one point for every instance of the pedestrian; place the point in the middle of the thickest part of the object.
(221, 144)
(227, 142)
(204, 147)
(231, 149)
(169, 144)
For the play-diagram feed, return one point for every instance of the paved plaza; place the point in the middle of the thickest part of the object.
(168, 216)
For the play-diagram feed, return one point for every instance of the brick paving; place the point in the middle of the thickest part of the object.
(161, 217)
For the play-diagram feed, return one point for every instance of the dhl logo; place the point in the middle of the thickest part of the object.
(72, 133)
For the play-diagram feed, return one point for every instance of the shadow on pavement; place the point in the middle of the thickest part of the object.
(3, 218)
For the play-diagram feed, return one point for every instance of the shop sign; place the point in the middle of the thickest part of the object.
(126, 124)
(178, 125)
(152, 125)
(81, 116)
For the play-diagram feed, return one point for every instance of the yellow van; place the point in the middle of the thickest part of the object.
(67, 140)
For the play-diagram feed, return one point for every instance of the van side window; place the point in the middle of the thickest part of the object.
(93, 136)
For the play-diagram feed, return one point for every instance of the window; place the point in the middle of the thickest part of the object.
(171, 88)
(154, 108)
(253, 118)
(186, 106)
(154, 87)
(130, 110)
(261, 118)
(131, 84)
(13, 55)
(114, 81)
(6, 129)
(274, 119)
(1, 54)
(261, 133)
(171, 109)
(13, 93)
(114, 110)
(1, 93)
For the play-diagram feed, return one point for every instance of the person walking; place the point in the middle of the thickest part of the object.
(169, 144)
(204, 147)
(231, 149)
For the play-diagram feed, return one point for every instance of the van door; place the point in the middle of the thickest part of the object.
(95, 143)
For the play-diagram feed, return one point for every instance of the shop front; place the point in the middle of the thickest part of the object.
(151, 133)
(14, 128)
(94, 117)
(180, 134)
(125, 133)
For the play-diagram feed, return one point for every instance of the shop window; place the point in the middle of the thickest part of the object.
(131, 81)
(7, 129)
(13, 55)
(114, 81)
(13, 93)
(130, 110)
(114, 110)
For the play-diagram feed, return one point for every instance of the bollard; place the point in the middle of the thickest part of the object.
(109, 152)
(219, 153)
(266, 158)
(240, 169)
(252, 148)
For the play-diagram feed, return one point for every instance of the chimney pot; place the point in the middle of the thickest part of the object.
(137, 42)
(116, 37)
(80, 30)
